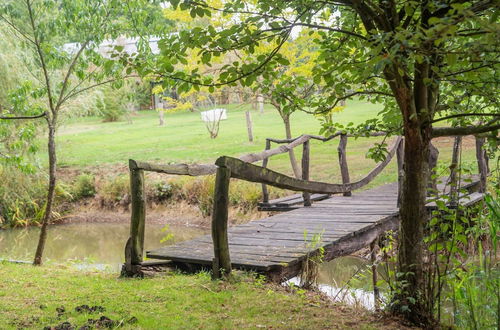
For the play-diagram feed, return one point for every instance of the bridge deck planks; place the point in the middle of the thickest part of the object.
(284, 239)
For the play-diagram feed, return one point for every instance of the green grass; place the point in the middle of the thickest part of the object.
(88, 142)
(30, 295)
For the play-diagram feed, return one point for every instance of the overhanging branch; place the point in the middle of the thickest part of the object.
(23, 117)
(459, 131)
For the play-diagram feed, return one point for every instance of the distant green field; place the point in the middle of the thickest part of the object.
(88, 142)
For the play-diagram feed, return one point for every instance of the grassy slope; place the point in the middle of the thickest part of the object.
(30, 296)
(89, 142)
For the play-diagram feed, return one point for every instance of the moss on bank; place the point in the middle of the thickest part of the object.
(38, 297)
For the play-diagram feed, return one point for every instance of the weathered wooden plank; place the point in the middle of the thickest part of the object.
(277, 246)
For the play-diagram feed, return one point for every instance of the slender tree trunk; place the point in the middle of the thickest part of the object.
(260, 103)
(249, 125)
(50, 193)
(162, 117)
(293, 160)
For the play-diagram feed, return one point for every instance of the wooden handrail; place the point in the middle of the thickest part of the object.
(322, 138)
(249, 172)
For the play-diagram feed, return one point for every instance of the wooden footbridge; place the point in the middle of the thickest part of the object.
(339, 222)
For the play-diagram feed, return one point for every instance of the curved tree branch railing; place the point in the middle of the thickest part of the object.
(242, 168)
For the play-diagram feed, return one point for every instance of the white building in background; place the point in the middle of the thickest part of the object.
(106, 48)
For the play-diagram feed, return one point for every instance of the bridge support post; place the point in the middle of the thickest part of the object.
(482, 163)
(344, 170)
(373, 260)
(454, 189)
(400, 158)
(305, 170)
(221, 265)
(135, 245)
(265, 192)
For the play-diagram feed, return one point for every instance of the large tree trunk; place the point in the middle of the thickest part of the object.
(293, 160)
(413, 218)
(50, 193)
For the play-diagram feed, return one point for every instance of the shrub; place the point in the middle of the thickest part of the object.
(22, 197)
(110, 105)
(84, 186)
(115, 189)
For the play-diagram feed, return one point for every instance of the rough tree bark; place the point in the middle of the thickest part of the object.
(50, 192)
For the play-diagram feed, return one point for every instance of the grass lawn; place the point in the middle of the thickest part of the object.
(31, 297)
(88, 142)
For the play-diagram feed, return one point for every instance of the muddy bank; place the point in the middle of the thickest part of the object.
(175, 213)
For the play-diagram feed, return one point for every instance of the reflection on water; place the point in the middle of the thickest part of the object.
(95, 243)
(346, 279)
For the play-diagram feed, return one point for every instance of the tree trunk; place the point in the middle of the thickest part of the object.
(249, 126)
(260, 103)
(50, 193)
(293, 160)
(162, 117)
(413, 216)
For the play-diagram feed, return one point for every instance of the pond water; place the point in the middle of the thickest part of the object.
(87, 243)
(101, 245)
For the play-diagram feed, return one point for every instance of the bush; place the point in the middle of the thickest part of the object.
(84, 186)
(22, 197)
(115, 189)
(110, 105)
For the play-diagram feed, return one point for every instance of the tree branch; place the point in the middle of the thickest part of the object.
(466, 115)
(23, 117)
(459, 131)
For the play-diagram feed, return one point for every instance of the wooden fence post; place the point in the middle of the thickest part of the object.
(344, 170)
(220, 240)
(135, 244)
(305, 170)
(400, 158)
(482, 163)
(453, 171)
(373, 260)
(265, 192)
(433, 160)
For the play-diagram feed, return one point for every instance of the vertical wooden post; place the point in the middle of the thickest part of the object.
(373, 259)
(220, 240)
(433, 160)
(400, 159)
(135, 245)
(249, 126)
(453, 171)
(305, 170)
(482, 163)
(265, 192)
(344, 170)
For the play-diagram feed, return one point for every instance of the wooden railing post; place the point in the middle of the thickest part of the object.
(344, 170)
(453, 171)
(305, 170)
(265, 192)
(482, 163)
(222, 260)
(433, 160)
(400, 158)
(135, 245)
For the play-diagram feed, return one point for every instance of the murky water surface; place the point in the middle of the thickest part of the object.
(90, 243)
